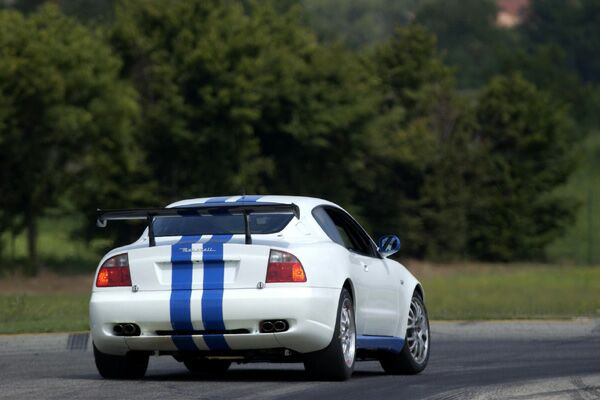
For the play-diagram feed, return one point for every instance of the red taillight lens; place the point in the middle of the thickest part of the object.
(284, 267)
(114, 272)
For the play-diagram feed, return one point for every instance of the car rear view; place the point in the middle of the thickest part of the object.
(208, 283)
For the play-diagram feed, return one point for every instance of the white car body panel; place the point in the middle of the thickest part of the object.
(382, 290)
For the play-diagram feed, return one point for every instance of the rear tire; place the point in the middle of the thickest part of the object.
(130, 366)
(415, 354)
(336, 361)
(206, 367)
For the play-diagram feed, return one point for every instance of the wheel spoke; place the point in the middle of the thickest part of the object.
(417, 331)
(347, 332)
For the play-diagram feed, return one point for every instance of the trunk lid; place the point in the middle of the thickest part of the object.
(193, 264)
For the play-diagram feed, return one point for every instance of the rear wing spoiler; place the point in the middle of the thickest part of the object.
(103, 216)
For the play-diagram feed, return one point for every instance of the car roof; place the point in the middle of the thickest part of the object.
(305, 204)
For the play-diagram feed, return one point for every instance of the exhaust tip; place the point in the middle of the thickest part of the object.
(266, 326)
(126, 329)
(118, 329)
(280, 326)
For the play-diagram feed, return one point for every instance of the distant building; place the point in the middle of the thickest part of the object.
(511, 12)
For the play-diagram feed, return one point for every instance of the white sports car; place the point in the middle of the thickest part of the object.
(255, 278)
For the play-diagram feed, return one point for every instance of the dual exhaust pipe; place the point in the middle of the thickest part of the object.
(126, 329)
(270, 326)
(267, 326)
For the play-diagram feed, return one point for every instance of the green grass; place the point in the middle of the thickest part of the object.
(478, 293)
(514, 292)
(29, 313)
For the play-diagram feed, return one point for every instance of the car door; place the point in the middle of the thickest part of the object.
(377, 302)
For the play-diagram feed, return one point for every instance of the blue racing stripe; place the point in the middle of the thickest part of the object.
(221, 199)
(181, 291)
(214, 277)
(212, 294)
(248, 198)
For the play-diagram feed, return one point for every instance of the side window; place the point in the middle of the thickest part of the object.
(342, 229)
(328, 226)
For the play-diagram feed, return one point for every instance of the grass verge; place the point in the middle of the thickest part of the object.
(512, 292)
(53, 303)
(34, 313)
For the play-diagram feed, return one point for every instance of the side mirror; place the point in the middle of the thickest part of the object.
(388, 245)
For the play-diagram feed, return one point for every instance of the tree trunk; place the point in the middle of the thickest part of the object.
(31, 267)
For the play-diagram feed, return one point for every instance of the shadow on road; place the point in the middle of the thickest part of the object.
(239, 375)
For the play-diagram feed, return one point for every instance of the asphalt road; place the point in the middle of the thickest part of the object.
(491, 360)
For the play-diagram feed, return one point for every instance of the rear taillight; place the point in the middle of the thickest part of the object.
(284, 267)
(114, 272)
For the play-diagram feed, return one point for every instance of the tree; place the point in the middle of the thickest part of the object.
(422, 155)
(359, 23)
(84, 10)
(560, 42)
(468, 35)
(546, 67)
(529, 147)
(66, 120)
(573, 26)
(242, 99)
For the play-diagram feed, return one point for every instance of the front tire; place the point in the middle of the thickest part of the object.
(130, 366)
(415, 354)
(336, 361)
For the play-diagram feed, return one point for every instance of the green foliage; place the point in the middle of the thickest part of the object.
(571, 25)
(409, 64)
(581, 241)
(236, 102)
(84, 10)
(358, 23)
(467, 33)
(422, 157)
(529, 147)
(202, 98)
(67, 121)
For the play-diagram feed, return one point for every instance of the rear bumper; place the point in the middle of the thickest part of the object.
(310, 312)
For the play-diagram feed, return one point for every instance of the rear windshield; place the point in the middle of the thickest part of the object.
(222, 224)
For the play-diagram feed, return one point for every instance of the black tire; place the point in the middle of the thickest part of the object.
(206, 367)
(130, 366)
(329, 363)
(405, 363)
